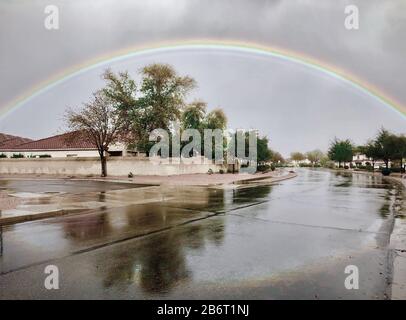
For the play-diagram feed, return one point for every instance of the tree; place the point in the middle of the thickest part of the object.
(371, 151)
(216, 119)
(162, 98)
(341, 151)
(314, 156)
(297, 156)
(397, 143)
(121, 89)
(156, 104)
(98, 121)
(193, 117)
(264, 154)
(402, 149)
(386, 146)
(277, 157)
(326, 162)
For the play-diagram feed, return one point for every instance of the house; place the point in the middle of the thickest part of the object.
(9, 141)
(361, 160)
(298, 163)
(73, 144)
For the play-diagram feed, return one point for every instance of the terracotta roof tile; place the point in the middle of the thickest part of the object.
(9, 141)
(72, 140)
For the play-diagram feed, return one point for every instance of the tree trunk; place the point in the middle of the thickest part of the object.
(103, 162)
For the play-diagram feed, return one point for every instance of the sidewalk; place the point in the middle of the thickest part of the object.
(197, 179)
(398, 245)
(35, 206)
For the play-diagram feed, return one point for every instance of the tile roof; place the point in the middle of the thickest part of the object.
(8, 141)
(72, 140)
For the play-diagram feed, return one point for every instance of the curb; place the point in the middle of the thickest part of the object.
(38, 216)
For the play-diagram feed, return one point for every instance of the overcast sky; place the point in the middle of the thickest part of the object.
(297, 107)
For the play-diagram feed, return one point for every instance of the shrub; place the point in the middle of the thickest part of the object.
(329, 164)
(221, 171)
(305, 165)
(386, 171)
(3, 155)
(369, 168)
(17, 155)
(264, 168)
(398, 170)
(44, 156)
(346, 167)
(210, 171)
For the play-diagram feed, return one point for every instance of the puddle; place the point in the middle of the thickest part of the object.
(31, 195)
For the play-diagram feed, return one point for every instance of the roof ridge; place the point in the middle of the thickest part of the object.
(45, 138)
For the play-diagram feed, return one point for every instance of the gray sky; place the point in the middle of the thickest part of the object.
(298, 108)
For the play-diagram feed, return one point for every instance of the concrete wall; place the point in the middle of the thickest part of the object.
(63, 153)
(116, 166)
(54, 153)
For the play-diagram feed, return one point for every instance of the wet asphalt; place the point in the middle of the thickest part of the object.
(291, 240)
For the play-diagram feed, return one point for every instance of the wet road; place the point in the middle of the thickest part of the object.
(60, 185)
(291, 240)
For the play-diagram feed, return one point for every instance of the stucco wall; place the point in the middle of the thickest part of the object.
(54, 153)
(62, 153)
(118, 166)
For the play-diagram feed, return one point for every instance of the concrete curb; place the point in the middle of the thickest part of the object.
(38, 216)
(270, 180)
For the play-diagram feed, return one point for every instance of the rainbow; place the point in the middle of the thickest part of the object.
(246, 47)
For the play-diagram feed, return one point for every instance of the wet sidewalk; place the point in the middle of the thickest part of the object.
(27, 200)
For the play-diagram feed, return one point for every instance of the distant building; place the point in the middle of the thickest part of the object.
(360, 159)
(297, 163)
(72, 144)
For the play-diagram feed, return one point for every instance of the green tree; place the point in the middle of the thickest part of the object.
(340, 151)
(398, 146)
(194, 116)
(402, 149)
(157, 103)
(163, 94)
(216, 119)
(122, 91)
(386, 146)
(371, 151)
(264, 154)
(326, 162)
